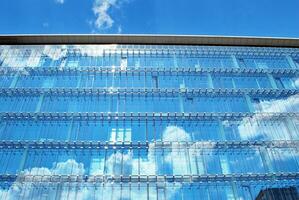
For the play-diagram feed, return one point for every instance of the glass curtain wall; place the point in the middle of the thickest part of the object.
(148, 122)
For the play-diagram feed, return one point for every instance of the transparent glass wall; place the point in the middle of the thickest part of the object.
(148, 122)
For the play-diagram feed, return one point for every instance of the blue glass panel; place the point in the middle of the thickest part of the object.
(264, 62)
(10, 161)
(245, 133)
(5, 81)
(284, 160)
(223, 82)
(18, 104)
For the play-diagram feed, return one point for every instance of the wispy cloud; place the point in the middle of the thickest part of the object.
(119, 29)
(45, 24)
(101, 9)
(59, 1)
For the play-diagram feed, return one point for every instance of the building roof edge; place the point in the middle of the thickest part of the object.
(33, 39)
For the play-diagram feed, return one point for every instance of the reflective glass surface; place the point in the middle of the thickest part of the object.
(148, 122)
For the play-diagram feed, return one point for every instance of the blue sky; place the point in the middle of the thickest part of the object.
(216, 17)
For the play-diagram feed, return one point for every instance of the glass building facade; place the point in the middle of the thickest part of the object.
(136, 121)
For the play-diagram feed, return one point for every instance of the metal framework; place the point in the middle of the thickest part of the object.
(149, 178)
(145, 145)
(139, 116)
(158, 46)
(7, 92)
(146, 71)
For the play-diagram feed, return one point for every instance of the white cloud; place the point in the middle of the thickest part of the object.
(70, 166)
(290, 104)
(14, 56)
(101, 9)
(254, 127)
(120, 163)
(117, 163)
(176, 158)
(175, 134)
(13, 59)
(296, 83)
(59, 1)
(55, 52)
(27, 190)
(94, 50)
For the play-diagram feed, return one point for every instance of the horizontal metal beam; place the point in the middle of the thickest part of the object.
(145, 91)
(140, 71)
(106, 179)
(60, 116)
(221, 146)
(150, 39)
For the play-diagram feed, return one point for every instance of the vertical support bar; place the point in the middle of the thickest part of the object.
(291, 62)
(221, 130)
(205, 170)
(266, 159)
(40, 102)
(234, 189)
(175, 62)
(200, 164)
(195, 159)
(249, 191)
(233, 82)
(146, 131)
(291, 128)
(181, 103)
(105, 163)
(58, 191)
(14, 81)
(69, 133)
(147, 191)
(2, 128)
(79, 81)
(210, 81)
(182, 89)
(188, 160)
(249, 103)
(235, 61)
(23, 160)
(224, 164)
(272, 81)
